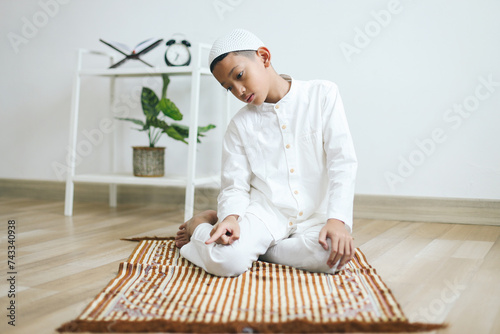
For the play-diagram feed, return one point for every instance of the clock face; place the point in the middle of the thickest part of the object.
(177, 55)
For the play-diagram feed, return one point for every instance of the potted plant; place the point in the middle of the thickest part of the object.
(150, 160)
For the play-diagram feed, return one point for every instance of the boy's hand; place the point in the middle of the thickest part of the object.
(342, 242)
(226, 232)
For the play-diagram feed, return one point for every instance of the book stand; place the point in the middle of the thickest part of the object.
(133, 55)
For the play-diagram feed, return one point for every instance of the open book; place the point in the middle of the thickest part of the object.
(140, 49)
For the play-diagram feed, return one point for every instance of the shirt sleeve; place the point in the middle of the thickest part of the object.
(234, 197)
(341, 161)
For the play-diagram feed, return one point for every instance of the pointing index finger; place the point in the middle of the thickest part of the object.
(217, 234)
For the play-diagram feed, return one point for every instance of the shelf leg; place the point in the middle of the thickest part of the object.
(73, 128)
(113, 141)
(192, 140)
(112, 195)
(68, 202)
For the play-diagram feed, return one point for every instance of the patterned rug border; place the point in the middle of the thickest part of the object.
(295, 326)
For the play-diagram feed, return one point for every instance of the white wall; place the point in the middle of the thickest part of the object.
(399, 84)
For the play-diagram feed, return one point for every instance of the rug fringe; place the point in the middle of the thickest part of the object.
(147, 238)
(298, 326)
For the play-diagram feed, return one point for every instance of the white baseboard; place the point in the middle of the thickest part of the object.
(205, 198)
(427, 209)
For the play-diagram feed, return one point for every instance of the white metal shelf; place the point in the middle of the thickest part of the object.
(194, 71)
(141, 72)
(126, 178)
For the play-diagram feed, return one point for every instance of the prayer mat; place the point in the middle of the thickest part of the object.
(157, 290)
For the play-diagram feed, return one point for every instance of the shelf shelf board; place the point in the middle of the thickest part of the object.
(125, 178)
(142, 71)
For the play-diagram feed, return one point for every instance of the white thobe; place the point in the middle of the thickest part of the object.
(289, 161)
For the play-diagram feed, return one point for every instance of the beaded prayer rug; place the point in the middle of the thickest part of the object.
(157, 290)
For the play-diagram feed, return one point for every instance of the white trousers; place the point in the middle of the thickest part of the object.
(300, 249)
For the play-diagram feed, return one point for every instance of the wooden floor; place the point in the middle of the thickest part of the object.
(438, 272)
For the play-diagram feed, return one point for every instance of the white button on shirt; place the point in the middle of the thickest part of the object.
(291, 161)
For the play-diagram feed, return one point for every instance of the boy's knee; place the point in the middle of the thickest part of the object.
(231, 261)
(226, 269)
(312, 247)
(317, 256)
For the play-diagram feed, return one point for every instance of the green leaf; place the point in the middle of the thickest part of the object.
(157, 123)
(205, 128)
(169, 109)
(149, 102)
(172, 133)
(184, 130)
(181, 129)
(202, 129)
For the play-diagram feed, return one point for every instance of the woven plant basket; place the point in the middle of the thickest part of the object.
(149, 161)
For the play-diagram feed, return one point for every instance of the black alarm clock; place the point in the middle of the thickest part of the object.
(178, 53)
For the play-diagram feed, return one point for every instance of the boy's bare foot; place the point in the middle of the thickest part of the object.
(186, 230)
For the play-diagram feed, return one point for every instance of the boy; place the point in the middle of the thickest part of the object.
(288, 171)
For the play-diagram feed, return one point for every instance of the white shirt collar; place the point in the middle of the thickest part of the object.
(288, 95)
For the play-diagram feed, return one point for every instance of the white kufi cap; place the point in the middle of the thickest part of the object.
(236, 40)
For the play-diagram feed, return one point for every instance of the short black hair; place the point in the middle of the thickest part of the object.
(246, 53)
